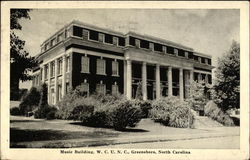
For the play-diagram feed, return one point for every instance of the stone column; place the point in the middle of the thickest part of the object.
(144, 80)
(170, 88)
(199, 77)
(125, 77)
(56, 87)
(206, 78)
(49, 74)
(129, 79)
(63, 75)
(191, 76)
(157, 81)
(181, 88)
(43, 74)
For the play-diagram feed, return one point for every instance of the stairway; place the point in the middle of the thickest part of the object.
(205, 122)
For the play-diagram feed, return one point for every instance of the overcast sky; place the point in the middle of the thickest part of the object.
(206, 31)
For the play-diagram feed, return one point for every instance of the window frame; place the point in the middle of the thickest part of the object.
(85, 57)
(116, 63)
(104, 66)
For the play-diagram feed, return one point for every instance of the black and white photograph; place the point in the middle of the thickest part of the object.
(126, 81)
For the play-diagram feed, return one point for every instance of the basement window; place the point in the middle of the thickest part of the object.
(157, 47)
(108, 39)
(144, 44)
(93, 35)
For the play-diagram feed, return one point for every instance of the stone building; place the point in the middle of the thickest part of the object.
(109, 62)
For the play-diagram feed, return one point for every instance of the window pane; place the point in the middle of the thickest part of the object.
(85, 64)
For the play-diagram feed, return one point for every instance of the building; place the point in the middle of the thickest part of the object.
(108, 62)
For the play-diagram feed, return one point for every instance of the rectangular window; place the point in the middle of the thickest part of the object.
(67, 64)
(101, 88)
(132, 41)
(85, 89)
(53, 42)
(46, 47)
(93, 35)
(101, 67)
(115, 89)
(181, 53)
(209, 61)
(41, 74)
(46, 71)
(176, 51)
(121, 41)
(85, 64)
(202, 60)
(115, 68)
(108, 38)
(144, 44)
(59, 92)
(52, 69)
(59, 70)
(60, 37)
(157, 47)
(77, 31)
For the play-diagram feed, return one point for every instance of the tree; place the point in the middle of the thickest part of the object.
(226, 90)
(20, 61)
(44, 95)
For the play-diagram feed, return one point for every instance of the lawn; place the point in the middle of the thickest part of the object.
(26, 132)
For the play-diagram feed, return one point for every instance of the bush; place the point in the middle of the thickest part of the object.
(47, 112)
(173, 112)
(125, 113)
(214, 112)
(145, 107)
(15, 111)
(30, 101)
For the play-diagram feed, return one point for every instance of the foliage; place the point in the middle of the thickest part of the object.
(172, 111)
(125, 113)
(226, 90)
(30, 101)
(44, 95)
(15, 111)
(214, 112)
(20, 61)
(139, 94)
(145, 107)
(46, 111)
(197, 98)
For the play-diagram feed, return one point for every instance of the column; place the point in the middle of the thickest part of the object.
(56, 87)
(199, 77)
(129, 79)
(49, 74)
(63, 75)
(157, 81)
(186, 83)
(206, 78)
(43, 74)
(191, 76)
(170, 88)
(144, 80)
(125, 77)
(181, 90)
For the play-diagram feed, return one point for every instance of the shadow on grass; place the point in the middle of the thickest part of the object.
(126, 130)
(17, 135)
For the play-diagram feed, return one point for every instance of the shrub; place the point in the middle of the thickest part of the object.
(125, 113)
(15, 111)
(30, 101)
(214, 112)
(173, 112)
(145, 107)
(47, 112)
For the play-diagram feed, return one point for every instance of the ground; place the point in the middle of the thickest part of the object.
(37, 133)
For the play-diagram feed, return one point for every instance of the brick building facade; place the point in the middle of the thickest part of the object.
(109, 62)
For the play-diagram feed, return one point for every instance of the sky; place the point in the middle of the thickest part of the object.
(209, 31)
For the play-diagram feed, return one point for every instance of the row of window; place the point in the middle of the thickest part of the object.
(100, 66)
(54, 41)
(100, 88)
(52, 68)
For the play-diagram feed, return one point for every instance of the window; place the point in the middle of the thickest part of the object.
(101, 88)
(67, 64)
(209, 61)
(132, 41)
(77, 31)
(121, 41)
(46, 71)
(115, 68)
(59, 71)
(53, 42)
(157, 47)
(108, 38)
(144, 44)
(41, 74)
(181, 53)
(115, 88)
(52, 69)
(85, 64)
(101, 68)
(46, 47)
(93, 35)
(85, 88)
(59, 92)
